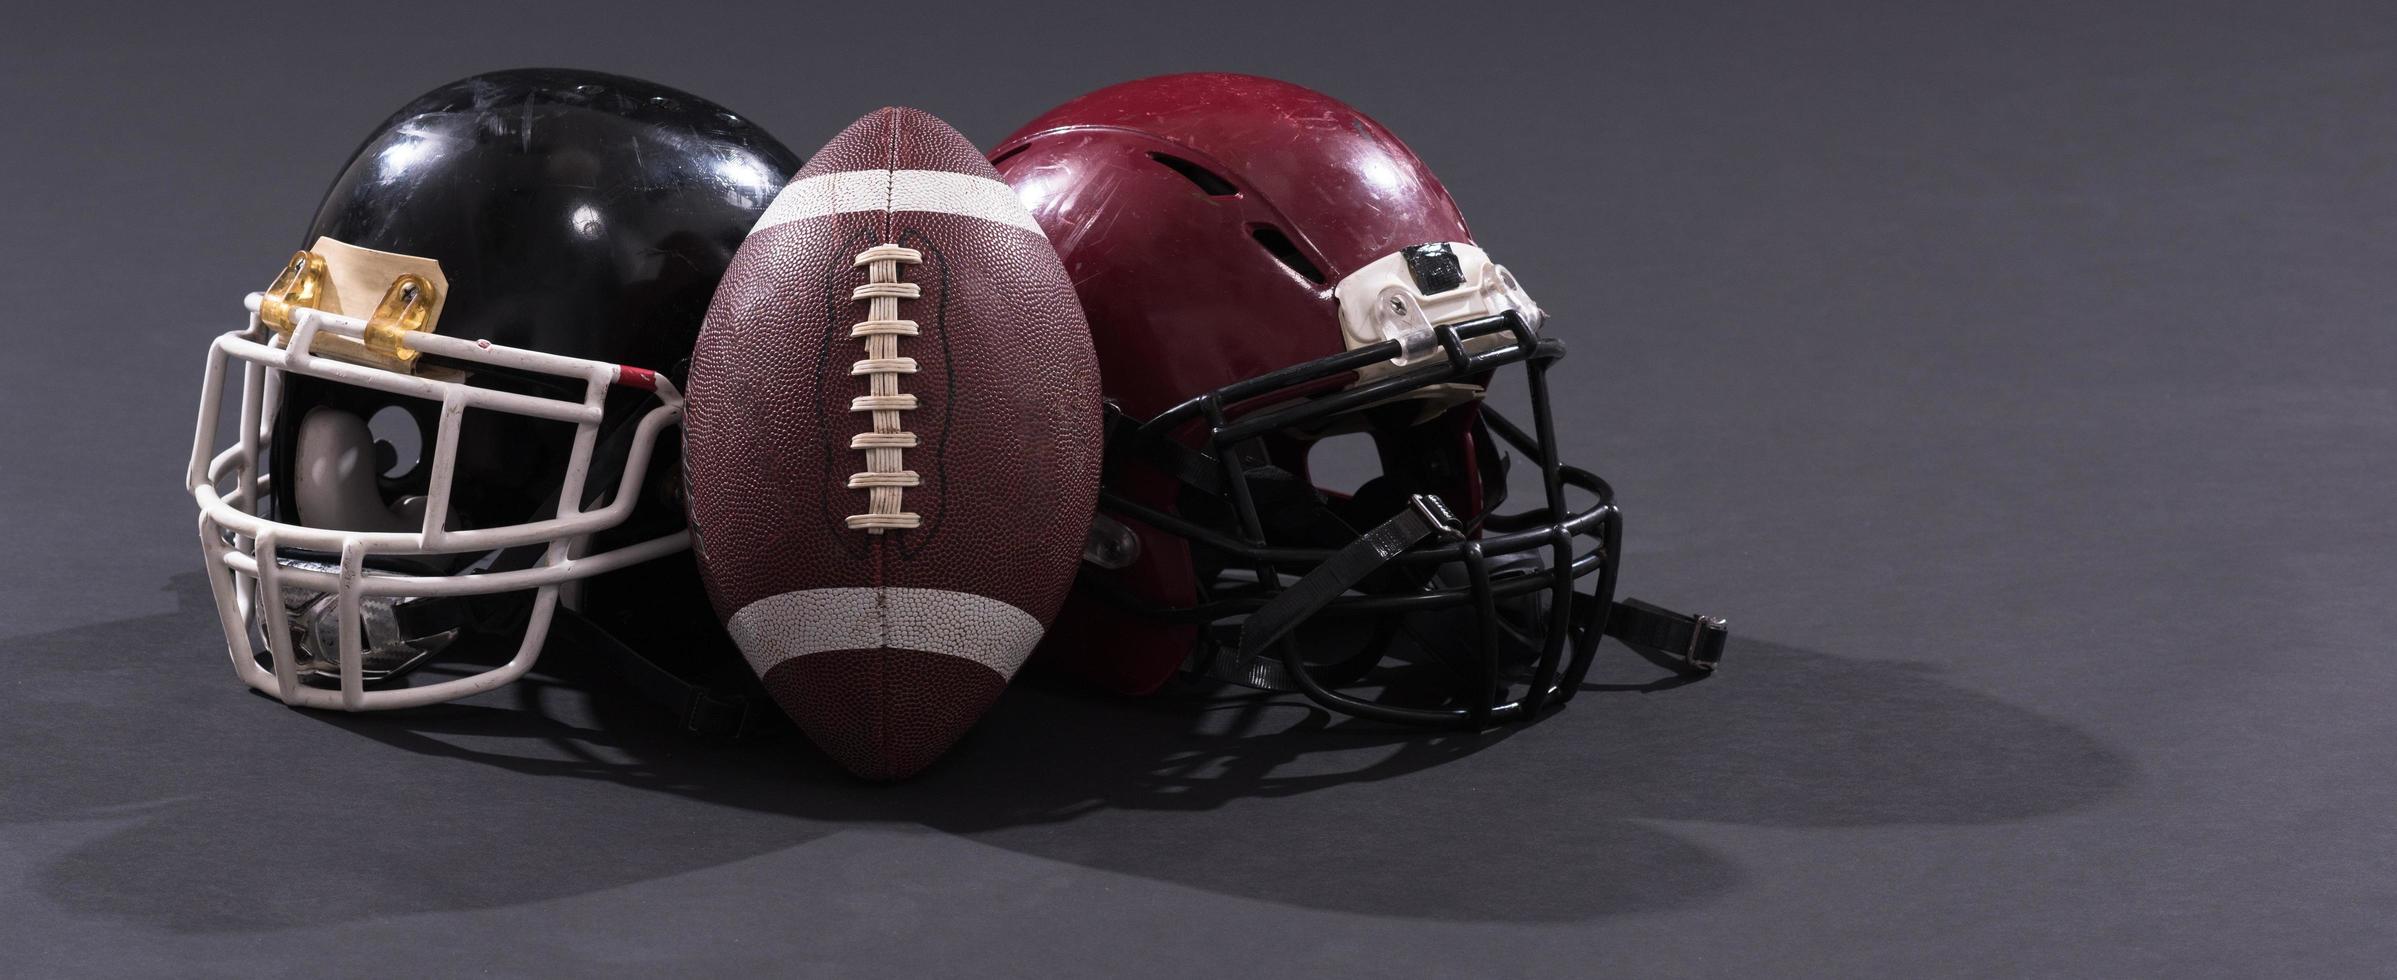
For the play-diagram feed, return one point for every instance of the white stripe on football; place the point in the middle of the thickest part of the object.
(901, 190)
(984, 630)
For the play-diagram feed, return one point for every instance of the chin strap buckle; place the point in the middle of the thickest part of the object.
(1438, 520)
(1691, 643)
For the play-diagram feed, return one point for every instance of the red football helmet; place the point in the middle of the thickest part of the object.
(1264, 266)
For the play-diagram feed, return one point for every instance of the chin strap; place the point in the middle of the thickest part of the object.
(1690, 643)
(700, 708)
(1424, 516)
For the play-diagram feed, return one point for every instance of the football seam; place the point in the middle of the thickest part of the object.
(932, 342)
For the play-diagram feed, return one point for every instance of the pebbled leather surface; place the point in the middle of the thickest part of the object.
(1007, 423)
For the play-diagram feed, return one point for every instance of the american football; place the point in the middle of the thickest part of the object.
(893, 442)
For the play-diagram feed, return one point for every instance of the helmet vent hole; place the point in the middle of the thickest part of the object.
(1287, 251)
(1207, 180)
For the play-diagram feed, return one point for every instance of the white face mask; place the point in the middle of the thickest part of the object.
(342, 315)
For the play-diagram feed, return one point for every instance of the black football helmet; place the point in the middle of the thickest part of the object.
(460, 401)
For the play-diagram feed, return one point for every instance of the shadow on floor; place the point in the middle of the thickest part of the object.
(544, 789)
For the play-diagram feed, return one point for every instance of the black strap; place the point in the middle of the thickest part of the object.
(1125, 440)
(1425, 516)
(1687, 642)
(701, 708)
(1690, 642)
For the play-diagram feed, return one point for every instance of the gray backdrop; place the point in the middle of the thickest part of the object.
(2017, 377)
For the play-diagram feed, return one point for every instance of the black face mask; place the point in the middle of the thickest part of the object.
(1391, 589)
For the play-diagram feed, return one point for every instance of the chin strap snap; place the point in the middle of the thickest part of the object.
(1691, 643)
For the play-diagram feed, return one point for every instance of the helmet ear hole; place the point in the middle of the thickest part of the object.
(399, 443)
(1344, 463)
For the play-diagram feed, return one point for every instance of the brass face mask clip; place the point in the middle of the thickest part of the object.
(301, 284)
(406, 307)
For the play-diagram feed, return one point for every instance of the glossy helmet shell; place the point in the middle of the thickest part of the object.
(1204, 219)
(574, 213)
